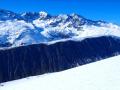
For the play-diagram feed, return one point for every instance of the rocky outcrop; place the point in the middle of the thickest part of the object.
(38, 59)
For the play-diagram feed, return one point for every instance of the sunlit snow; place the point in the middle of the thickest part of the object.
(101, 75)
(35, 28)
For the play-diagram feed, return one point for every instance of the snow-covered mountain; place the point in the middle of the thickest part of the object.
(101, 75)
(34, 28)
(44, 43)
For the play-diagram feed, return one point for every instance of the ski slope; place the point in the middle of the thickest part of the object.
(101, 75)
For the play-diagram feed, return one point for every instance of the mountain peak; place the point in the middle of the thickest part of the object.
(7, 15)
(30, 16)
(5, 11)
(76, 15)
(43, 14)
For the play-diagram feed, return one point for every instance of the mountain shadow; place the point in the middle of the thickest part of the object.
(38, 59)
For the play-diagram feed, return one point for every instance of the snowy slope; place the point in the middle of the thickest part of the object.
(34, 28)
(101, 75)
(18, 33)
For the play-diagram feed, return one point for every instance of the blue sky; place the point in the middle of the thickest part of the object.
(108, 10)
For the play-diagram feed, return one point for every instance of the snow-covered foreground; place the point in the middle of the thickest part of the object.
(101, 75)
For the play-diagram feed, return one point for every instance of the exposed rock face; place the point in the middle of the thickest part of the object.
(38, 59)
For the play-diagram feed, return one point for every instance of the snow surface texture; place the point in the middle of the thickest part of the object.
(101, 75)
(34, 28)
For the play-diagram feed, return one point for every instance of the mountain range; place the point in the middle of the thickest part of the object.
(34, 28)
(34, 43)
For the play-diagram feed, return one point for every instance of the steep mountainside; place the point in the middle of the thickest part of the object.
(38, 59)
(100, 75)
